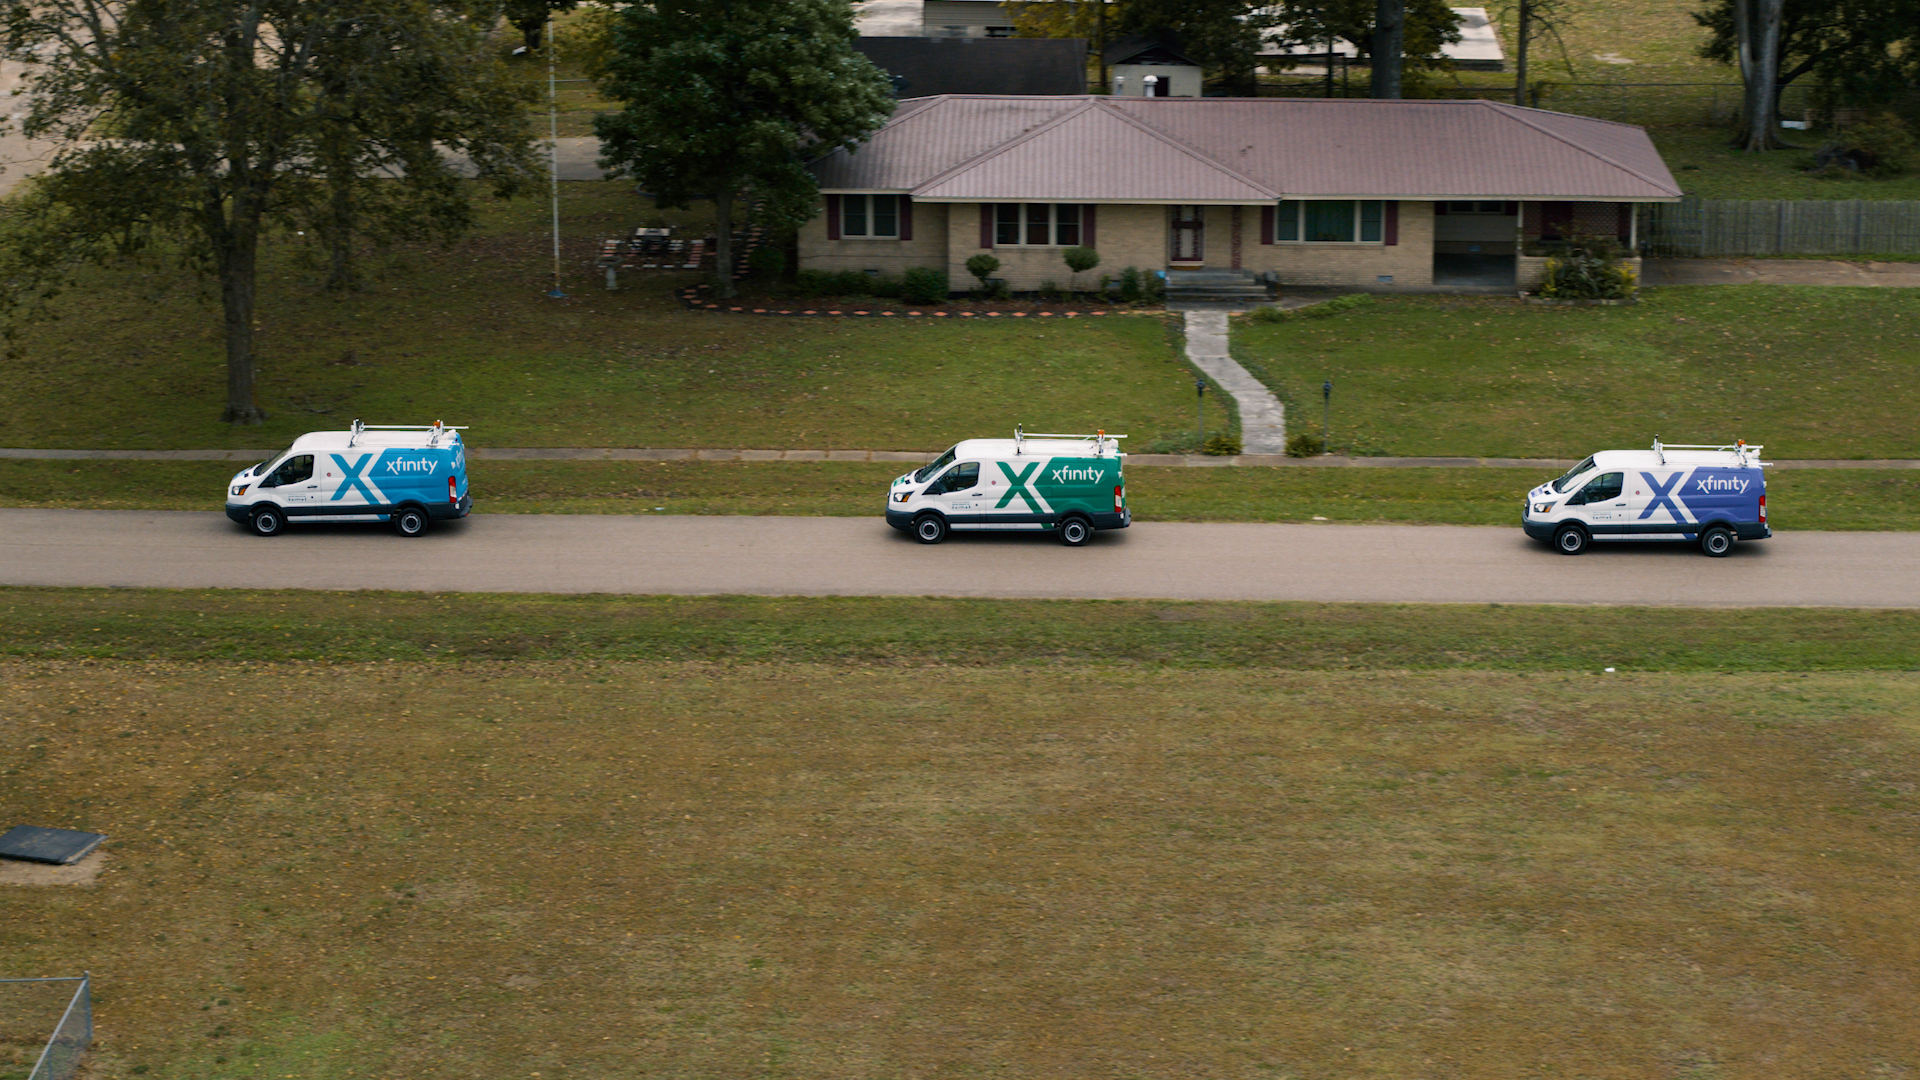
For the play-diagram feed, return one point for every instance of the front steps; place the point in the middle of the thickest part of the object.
(1226, 290)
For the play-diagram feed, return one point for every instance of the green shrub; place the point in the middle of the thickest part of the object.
(1305, 444)
(1050, 291)
(924, 285)
(1876, 148)
(1156, 285)
(886, 285)
(1221, 444)
(1131, 288)
(767, 263)
(983, 267)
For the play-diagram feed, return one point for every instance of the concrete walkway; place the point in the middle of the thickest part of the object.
(1263, 420)
(1779, 272)
(633, 453)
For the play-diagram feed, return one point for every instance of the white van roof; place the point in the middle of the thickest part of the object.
(407, 437)
(1733, 456)
(1099, 444)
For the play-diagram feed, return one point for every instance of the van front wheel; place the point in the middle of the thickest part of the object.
(266, 521)
(930, 528)
(1717, 541)
(1570, 540)
(410, 521)
(1075, 532)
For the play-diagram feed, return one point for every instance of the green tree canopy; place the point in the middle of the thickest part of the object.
(197, 126)
(729, 97)
(1864, 51)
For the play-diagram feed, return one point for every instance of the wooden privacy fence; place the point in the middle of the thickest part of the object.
(1710, 228)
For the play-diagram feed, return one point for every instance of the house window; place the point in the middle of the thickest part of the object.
(1330, 221)
(1000, 31)
(1480, 206)
(870, 217)
(1036, 224)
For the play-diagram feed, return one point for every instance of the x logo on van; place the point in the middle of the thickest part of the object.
(1018, 486)
(1661, 497)
(353, 479)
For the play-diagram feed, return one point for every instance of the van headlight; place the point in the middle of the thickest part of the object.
(902, 496)
(238, 489)
(1542, 507)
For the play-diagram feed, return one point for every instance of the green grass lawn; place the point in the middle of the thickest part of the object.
(1839, 499)
(858, 840)
(469, 335)
(1809, 372)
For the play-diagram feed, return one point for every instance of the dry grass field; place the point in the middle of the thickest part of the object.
(1072, 863)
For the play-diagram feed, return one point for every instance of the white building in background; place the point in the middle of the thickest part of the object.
(1477, 50)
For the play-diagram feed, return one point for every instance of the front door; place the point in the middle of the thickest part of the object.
(958, 495)
(1605, 502)
(294, 486)
(1187, 242)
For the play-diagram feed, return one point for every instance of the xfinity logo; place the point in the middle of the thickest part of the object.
(409, 465)
(1721, 483)
(1061, 476)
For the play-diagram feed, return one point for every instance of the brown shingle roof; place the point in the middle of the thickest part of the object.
(1106, 149)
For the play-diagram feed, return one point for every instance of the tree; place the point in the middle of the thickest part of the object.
(1389, 48)
(725, 97)
(1222, 35)
(198, 126)
(1427, 27)
(530, 18)
(1064, 19)
(1864, 51)
(1534, 20)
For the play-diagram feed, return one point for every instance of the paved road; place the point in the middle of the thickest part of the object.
(851, 556)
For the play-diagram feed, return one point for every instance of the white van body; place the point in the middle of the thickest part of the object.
(1070, 485)
(1714, 495)
(406, 476)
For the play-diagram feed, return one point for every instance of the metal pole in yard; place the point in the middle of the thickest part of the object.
(553, 154)
(1326, 416)
(1200, 407)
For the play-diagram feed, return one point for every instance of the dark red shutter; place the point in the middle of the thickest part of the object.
(1390, 232)
(1439, 209)
(986, 224)
(833, 217)
(1087, 237)
(906, 216)
(1266, 224)
(1624, 229)
(1512, 209)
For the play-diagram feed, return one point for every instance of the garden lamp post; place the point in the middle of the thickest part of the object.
(1326, 416)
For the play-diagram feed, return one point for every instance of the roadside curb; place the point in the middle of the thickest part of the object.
(622, 453)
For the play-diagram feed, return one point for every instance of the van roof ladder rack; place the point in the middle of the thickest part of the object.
(1099, 439)
(436, 427)
(1738, 448)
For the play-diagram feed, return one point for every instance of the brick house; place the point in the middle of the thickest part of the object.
(1341, 192)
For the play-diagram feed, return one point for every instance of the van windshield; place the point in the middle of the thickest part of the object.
(260, 468)
(941, 462)
(1565, 483)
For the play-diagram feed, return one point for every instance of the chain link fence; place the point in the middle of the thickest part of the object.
(29, 1009)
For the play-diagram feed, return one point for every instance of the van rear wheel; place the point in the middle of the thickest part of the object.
(410, 521)
(1717, 541)
(266, 521)
(1075, 531)
(1570, 540)
(930, 528)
